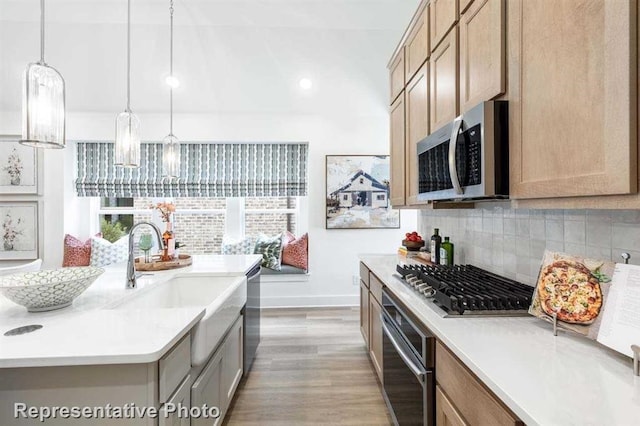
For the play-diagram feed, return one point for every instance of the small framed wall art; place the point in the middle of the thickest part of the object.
(357, 193)
(19, 230)
(19, 167)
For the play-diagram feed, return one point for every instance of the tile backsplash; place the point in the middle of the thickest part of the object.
(511, 242)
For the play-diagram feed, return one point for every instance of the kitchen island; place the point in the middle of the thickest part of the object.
(542, 379)
(121, 346)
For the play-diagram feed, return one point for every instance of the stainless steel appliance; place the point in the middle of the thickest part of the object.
(468, 158)
(409, 366)
(252, 318)
(466, 290)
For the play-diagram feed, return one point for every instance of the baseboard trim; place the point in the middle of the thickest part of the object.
(309, 301)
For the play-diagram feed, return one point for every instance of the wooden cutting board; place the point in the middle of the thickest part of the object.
(157, 265)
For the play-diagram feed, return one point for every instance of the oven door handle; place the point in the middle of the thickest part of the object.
(419, 372)
(453, 144)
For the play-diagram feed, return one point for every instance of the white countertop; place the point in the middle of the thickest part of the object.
(89, 333)
(544, 380)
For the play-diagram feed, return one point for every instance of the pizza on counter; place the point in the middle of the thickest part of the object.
(569, 289)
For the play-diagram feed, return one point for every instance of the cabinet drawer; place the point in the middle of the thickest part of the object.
(364, 274)
(174, 366)
(375, 286)
(472, 401)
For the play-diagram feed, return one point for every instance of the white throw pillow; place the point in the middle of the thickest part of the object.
(234, 246)
(105, 253)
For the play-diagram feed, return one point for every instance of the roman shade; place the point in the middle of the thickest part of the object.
(206, 170)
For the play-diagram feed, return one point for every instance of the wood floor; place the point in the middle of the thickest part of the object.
(311, 368)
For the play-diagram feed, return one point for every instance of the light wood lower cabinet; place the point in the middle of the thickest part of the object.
(446, 414)
(573, 95)
(398, 153)
(364, 313)
(375, 336)
(466, 395)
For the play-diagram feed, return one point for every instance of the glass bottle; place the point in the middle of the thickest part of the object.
(446, 252)
(169, 241)
(436, 240)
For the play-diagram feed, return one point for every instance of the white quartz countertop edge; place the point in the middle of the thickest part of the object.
(509, 355)
(90, 332)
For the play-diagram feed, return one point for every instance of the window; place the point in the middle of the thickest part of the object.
(380, 197)
(345, 197)
(361, 180)
(200, 223)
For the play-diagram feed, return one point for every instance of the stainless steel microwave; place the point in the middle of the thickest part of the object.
(467, 158)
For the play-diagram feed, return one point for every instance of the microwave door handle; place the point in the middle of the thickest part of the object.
(453, 144)
(417, 371)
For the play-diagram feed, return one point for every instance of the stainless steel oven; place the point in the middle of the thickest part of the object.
(467, 158)
(409, 367)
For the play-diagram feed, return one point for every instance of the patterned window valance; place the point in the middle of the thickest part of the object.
(206, 170)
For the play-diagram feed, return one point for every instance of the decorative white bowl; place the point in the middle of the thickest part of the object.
(48, 290)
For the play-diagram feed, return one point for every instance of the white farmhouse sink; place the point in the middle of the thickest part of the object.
(222, 297)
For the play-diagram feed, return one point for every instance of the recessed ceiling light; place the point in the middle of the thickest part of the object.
(305, 83)
(172, 81)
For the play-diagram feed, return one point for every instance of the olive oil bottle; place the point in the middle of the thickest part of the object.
(446, 252)
(436, 240)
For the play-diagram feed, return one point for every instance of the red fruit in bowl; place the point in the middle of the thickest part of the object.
(407, 235)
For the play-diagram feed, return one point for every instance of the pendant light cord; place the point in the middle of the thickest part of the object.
(171, 70)
(129, 55)
(42, 31)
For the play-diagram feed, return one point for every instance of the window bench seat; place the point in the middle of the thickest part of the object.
(286, 274)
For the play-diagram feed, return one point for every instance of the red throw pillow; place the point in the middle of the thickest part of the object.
(296, 252)
(76, 252)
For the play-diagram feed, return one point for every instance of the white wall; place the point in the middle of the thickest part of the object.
(239, 63)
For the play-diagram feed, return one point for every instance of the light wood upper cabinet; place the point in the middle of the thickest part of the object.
(482, 52)
(573, 98)
(416, 48)
(446, 414)
(396, 75)
(443, 67)
(417, 125)
(397, 149)
(443, 15)
(464, 4)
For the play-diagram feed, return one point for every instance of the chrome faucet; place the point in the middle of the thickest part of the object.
(131, 269)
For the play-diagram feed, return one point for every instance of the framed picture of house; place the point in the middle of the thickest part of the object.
(19, 167)
(19, 232)
(357, 192)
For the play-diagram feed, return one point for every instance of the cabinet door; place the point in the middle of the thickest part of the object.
(443, 67)
(573, 96)
(397, 150)
(416, 48)
(443, 16)
(446, 414)
(364, 313)
(375, 336)
(207, 389)
(178, 405)
(417, 127)
(396, 75)
(482, 53)
(232, 361)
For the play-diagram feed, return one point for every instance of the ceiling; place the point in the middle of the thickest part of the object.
(231, 56)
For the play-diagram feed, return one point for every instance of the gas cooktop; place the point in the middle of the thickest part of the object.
(466, 290)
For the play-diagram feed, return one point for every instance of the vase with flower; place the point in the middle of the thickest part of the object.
(168, 237)
(10, 232)
(14, 167)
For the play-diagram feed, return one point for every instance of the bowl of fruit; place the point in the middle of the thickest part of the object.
(413, 241)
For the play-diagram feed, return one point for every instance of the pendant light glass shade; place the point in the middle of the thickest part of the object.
(127, 140)
(43, 116)
(127, 150)
(170, 143)
(171, 156)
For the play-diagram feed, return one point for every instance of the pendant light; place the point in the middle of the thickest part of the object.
(43, 117)
(127, 124)
(171, 144)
